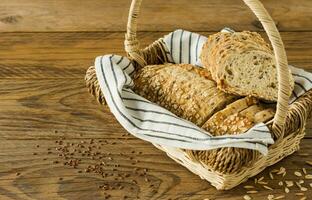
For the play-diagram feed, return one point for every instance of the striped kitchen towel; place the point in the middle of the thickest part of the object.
(152, 123)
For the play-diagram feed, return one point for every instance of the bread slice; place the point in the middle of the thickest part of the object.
(183, 89)
(238, 117)
(242, 63)
(216, 44)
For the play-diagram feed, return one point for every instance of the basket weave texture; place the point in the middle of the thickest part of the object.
(226, 167)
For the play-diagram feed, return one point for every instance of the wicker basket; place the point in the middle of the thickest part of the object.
(287, 127)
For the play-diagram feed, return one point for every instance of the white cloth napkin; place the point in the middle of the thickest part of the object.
(152, 123)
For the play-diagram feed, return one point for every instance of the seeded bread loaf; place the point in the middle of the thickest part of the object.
(242, 63)
(236, 118)
(183, 89)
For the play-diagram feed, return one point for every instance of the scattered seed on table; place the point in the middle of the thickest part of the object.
(304, 189)
(267, 187)
(252, 192)
(297, 173)
(304, 170)
(289, 183)
(17, 174)
(271, 176)
(247, 197)
(282, 170)
(280, 197)
(249, 187)
(280, 183)
(286, 190)
(274, 171)
(309, 163)
(298, 184)
(308, 176)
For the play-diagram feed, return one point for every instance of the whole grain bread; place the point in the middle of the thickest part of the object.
(242, 63)
(238, 117)
(183, 89)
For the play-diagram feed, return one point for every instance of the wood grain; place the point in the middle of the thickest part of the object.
(46, 47)
(68, 55)
(40, 178)
(34, 108)
(160, 15)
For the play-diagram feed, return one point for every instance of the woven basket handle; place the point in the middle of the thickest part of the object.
(134, 52)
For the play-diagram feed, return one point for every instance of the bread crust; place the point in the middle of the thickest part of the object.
(238, 117)
(183, 89)
(221, 49)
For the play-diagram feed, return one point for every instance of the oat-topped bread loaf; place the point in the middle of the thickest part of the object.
(236, 118)
(242, 63)
(183, 89)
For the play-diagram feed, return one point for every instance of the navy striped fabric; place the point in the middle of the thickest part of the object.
(152, 123)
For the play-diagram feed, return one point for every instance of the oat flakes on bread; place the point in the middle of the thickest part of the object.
(183, 89)
(242, 63)
(238, 117)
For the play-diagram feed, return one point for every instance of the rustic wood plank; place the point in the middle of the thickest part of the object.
(161, 15)
(68, 55)
(28, 176)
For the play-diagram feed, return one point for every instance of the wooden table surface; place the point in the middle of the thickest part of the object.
(46, 47)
